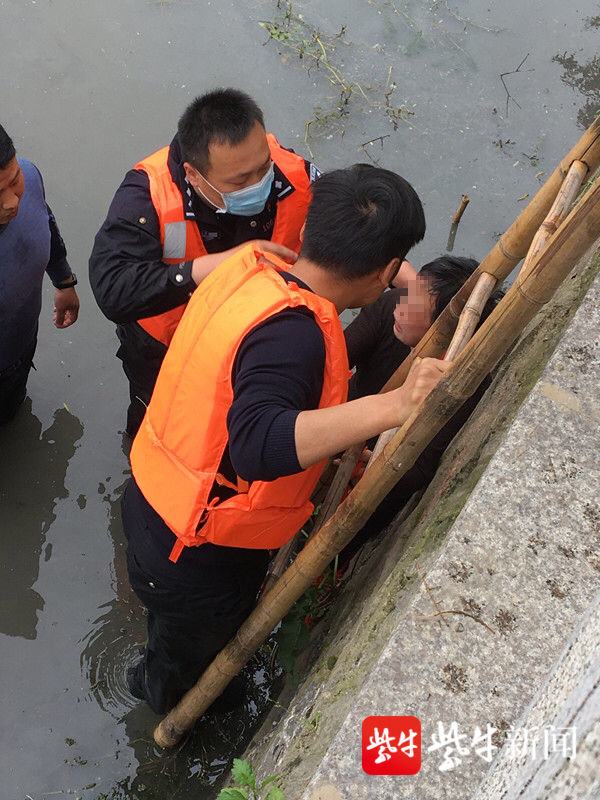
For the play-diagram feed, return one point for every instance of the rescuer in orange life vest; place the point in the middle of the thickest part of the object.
(248, 405)
(222, 182)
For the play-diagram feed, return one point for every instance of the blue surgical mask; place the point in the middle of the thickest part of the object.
(248, 201)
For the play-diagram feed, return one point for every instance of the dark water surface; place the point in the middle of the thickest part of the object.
(87, 89)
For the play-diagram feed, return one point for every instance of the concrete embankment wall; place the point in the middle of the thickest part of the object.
(508, 539)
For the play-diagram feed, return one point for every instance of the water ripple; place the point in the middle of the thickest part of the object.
(109, 649)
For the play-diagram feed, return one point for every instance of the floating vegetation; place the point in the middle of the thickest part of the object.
(319, 53)
(467, 21)
(438, 33)
(513, 72)
(330, 55)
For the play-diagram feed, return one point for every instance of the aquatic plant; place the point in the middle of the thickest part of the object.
(243, 775)
(318, 51)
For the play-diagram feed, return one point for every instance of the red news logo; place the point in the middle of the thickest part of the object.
(391, 745)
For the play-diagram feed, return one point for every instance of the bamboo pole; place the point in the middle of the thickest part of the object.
(385, 436)
(279, 564)
(532, 289)
(330, 503)
(471, 313)
(455, 220)
(505, 255)
(464, 202)
(559, 210)
(467, 322)
(381, 442)
(482, 353)
(340, 481)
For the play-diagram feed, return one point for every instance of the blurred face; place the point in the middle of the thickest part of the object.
(413, 314)
(232, 167)
(12, 186)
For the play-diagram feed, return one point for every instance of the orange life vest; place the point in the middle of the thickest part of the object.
(177, 452)
(181, 239)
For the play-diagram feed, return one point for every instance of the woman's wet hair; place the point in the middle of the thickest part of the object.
(446, 275)
(7, 148)
(224, 116)
(359, 219)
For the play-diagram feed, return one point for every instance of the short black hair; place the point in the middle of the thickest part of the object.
(446, 275)
(7, 148)
(359, 219)
(225, 116)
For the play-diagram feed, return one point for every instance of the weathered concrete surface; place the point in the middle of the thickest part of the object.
(522, 558)
(569, 700)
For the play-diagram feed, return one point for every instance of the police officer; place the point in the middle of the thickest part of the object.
(222, 182)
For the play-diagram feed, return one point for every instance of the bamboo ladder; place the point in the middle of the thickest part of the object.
(486, 283)
(535, 284)
(493, 270)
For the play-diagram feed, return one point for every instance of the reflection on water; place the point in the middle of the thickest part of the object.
(118, 632)
(585, 78)
(591, 22)
(32, 480)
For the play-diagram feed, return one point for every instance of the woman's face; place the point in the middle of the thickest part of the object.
(414, 311)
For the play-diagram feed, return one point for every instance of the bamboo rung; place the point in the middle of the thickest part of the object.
(559, 210)
(471, 314)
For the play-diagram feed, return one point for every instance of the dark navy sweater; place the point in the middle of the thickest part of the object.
(30, 244)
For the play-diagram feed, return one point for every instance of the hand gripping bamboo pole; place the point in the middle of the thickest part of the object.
(482, 353)
(533, 288)
(552, 199)
(500, 262)
(467, 322)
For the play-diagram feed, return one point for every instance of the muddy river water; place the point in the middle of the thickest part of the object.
(460, 97)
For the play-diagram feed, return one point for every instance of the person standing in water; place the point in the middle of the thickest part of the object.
(30, 246)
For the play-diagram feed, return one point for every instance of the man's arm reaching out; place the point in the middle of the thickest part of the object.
(322, 432)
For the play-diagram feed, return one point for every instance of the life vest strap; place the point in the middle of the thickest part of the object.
(176, 551)
(241, 487)
(179, 545)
